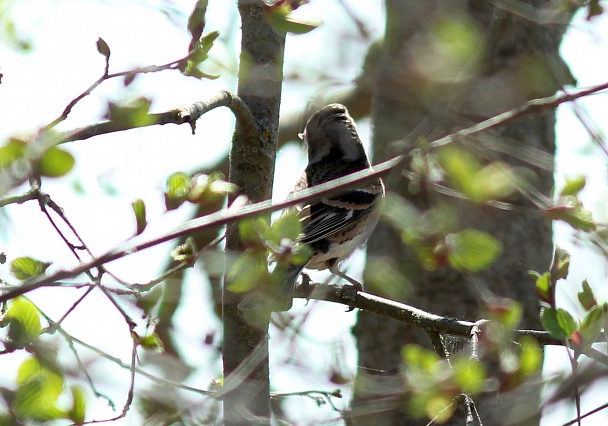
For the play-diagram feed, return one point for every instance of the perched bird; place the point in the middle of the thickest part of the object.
(333, 227)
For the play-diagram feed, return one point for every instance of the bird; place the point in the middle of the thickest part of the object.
(335, 226)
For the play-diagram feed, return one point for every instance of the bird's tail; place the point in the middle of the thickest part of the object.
(287, 287)
(278, 301)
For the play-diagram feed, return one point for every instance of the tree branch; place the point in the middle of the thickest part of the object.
(175, 116)
(348, 295)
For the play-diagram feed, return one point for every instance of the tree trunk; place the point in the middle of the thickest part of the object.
(245, 345)
(423, 92)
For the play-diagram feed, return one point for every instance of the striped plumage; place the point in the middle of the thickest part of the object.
(333, 227)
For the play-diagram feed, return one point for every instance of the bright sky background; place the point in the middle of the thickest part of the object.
(116, 169)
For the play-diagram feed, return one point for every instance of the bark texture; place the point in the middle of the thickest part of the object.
(420, 92)
(245, 344)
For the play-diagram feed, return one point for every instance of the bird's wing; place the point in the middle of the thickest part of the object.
(331, 215)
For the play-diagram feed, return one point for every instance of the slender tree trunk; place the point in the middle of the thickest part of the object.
(245, 345)
(418, 95)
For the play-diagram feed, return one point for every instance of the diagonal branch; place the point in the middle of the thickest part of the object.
(175, 116)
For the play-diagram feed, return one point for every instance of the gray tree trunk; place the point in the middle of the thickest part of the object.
(518, 61)
(245, 340)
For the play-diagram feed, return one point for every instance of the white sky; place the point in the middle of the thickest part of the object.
(37, 86)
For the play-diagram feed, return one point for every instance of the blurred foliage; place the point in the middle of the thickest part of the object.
(446, 54)
(277, 242)
(580, 334)
(279, 16)
(210, 190)
(9, 32)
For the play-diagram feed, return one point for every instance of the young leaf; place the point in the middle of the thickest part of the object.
(133, 113)
(248, 272)
(472, 250)
(573, 186)
(196, 22)
(560, 265)
(493, 182)
(544, 288)
(24, 322)
(151, 342)
(566, 321)
(591, 327)
(103, 48)
(279, 16)
(286, 226)
(24, 268)
(252, 232)
(184, 252)
(13, 150)
(55, 162)
(530, 358)
(469, 375)
(548, 318)
(177, 190)
(38, 389)
(139, 209)
(78, 409)
(570, 210)
(586, 297)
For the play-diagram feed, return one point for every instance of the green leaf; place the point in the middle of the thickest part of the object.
(460, 167)
(544, 288)
(191, 69)
(566, 322)
(177, 190)
(38, 389)
(507, 312)
(286, 226)
(185, 252)
(591, 326)
(24, 322)
(78, 409)
(558, 322)
(530, 358)
(586, 297)
(560, 265)
(548, 318)
(13, 150)
(196, 22)
(24, 268)
(420, 358)
(573, 186)
(248, 272)
(210, 189)
(399, 212)
(132, 114)
(252, 232)
(570, 210)
(493, 182)
(472, 250)
(469, 375)
(151, 342)
(55, 162)
(479, 183)
(201, 52)
(139, 209)
(103, 48)
(279, 16)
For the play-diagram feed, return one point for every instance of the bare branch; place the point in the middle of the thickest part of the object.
(350, 296)
(175, 116)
